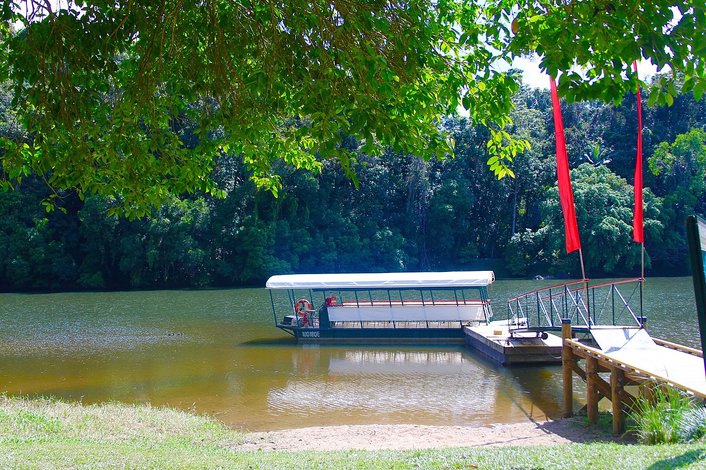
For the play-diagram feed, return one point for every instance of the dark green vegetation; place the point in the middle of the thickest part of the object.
(407, 214)
(46, 433)
(122, 108)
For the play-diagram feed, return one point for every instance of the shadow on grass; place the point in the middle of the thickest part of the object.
(684, 460)
(577, 429)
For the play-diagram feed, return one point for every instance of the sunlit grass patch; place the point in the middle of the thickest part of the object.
(45, 418)
(47, 433)
(29, 422)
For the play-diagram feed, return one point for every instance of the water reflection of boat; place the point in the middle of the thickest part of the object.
(397, 362)
(385, 383)
(426, 385)
(381, 307)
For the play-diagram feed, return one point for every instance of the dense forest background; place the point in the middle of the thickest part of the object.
(406, 213)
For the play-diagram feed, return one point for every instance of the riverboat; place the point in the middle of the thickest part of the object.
(422, 307)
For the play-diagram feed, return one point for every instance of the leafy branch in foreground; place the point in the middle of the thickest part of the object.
(137, 99)
(593, 44)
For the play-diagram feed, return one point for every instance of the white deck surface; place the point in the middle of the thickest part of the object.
(634, 348)
(499, 332)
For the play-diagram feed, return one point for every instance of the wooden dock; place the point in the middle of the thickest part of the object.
(498, 342)
(630, 357)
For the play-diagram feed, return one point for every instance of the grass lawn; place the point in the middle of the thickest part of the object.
(44, 433)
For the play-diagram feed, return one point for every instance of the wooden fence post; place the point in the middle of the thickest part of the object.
(592, 389)
(647, 391)
(567, 360)
(616, 388)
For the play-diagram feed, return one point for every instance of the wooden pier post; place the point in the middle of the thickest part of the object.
(567, 360)
(592, 396)
(646, 391)
(616, 389)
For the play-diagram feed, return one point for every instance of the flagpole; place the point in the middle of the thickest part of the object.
(585, 287)
(638, 223)
(642, 287)
(566, 195)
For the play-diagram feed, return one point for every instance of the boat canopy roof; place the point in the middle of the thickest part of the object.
(428, 280)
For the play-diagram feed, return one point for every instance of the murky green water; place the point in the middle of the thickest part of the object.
(217, 352)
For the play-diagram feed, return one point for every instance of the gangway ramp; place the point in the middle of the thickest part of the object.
(631, 357)
(613, 303)
(634, 351)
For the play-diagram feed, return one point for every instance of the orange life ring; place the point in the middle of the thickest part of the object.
(302, 306)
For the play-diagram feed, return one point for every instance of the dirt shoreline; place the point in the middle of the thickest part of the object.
(402, 437)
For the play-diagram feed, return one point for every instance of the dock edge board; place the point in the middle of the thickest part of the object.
(512, 351)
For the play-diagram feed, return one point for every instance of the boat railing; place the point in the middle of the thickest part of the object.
(432, 307)
(610, 303)
(447, 307)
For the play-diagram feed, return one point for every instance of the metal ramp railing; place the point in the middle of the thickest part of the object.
(615, 303)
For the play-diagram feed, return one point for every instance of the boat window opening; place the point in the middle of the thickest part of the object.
(370, 296)
(421, 296)
(357, 304)
(401, 299)
(463, 294)
(292, 302)
(274, 309)
(456, 296)
(431, 294)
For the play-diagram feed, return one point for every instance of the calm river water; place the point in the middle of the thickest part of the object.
(217, 352)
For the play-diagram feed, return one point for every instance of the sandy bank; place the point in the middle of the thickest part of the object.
(398, 437)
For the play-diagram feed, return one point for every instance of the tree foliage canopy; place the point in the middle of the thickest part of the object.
(408, 213)
(137, 99)
(603, 37)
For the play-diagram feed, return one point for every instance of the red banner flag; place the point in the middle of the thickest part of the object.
(566, 195)
(637, 221)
